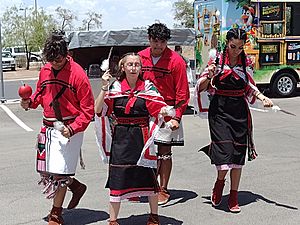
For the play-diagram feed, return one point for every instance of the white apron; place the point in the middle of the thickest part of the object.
(57, 154)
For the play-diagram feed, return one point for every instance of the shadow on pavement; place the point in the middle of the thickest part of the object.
(177, 197)
(298, 92)
(246, 198)
(82, 216)
(268, 93)
(142, 219)
(189, 111)
(180, 196)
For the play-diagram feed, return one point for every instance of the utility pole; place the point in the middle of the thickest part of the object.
(1, 70)
(25, 16)
(35, 9)
(25, 36)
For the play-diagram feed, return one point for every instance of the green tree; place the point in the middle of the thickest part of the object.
(184, 13)
(24, 27)
(13, 26)
(42, 25)
(240, 3)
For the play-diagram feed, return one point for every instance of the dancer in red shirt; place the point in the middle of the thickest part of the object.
(64, 92)
(167, 70)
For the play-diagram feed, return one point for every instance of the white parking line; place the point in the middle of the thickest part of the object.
(20, 79)
(12, 101)
(15, 118)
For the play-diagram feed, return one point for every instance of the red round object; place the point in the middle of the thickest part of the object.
(25, 91)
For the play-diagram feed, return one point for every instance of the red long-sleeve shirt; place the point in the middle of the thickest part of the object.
(169, 76)
(77, 100)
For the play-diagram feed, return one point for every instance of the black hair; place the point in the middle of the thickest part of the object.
(159, 31)
(120, 75)
(236, 33)
(55, 46)
(177, 48)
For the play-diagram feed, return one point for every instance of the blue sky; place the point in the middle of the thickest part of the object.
(116, 14)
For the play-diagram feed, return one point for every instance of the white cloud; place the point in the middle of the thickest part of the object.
(116, 14)
(6, 4)
(139, 13)
(82, 5)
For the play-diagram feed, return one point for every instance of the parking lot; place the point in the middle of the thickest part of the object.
(269, 191)
(22, 73)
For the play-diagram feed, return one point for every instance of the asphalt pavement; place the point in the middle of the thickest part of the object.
(269, 190)
(21, 74)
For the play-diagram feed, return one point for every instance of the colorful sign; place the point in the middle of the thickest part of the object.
(293, 52)
(271, 12)
(269, 53)
(269, 48)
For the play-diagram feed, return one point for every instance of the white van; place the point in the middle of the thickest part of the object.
(19, 52)
(8, 61)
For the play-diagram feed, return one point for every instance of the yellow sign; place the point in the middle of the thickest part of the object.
(269, 49)
(269, 10)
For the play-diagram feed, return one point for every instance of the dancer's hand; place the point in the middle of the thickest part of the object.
(163, 111)
(167, 111)
(175, 124)
(211, 70)
(267, 102)
(105, 78)
(25, 103)
(66, 133)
